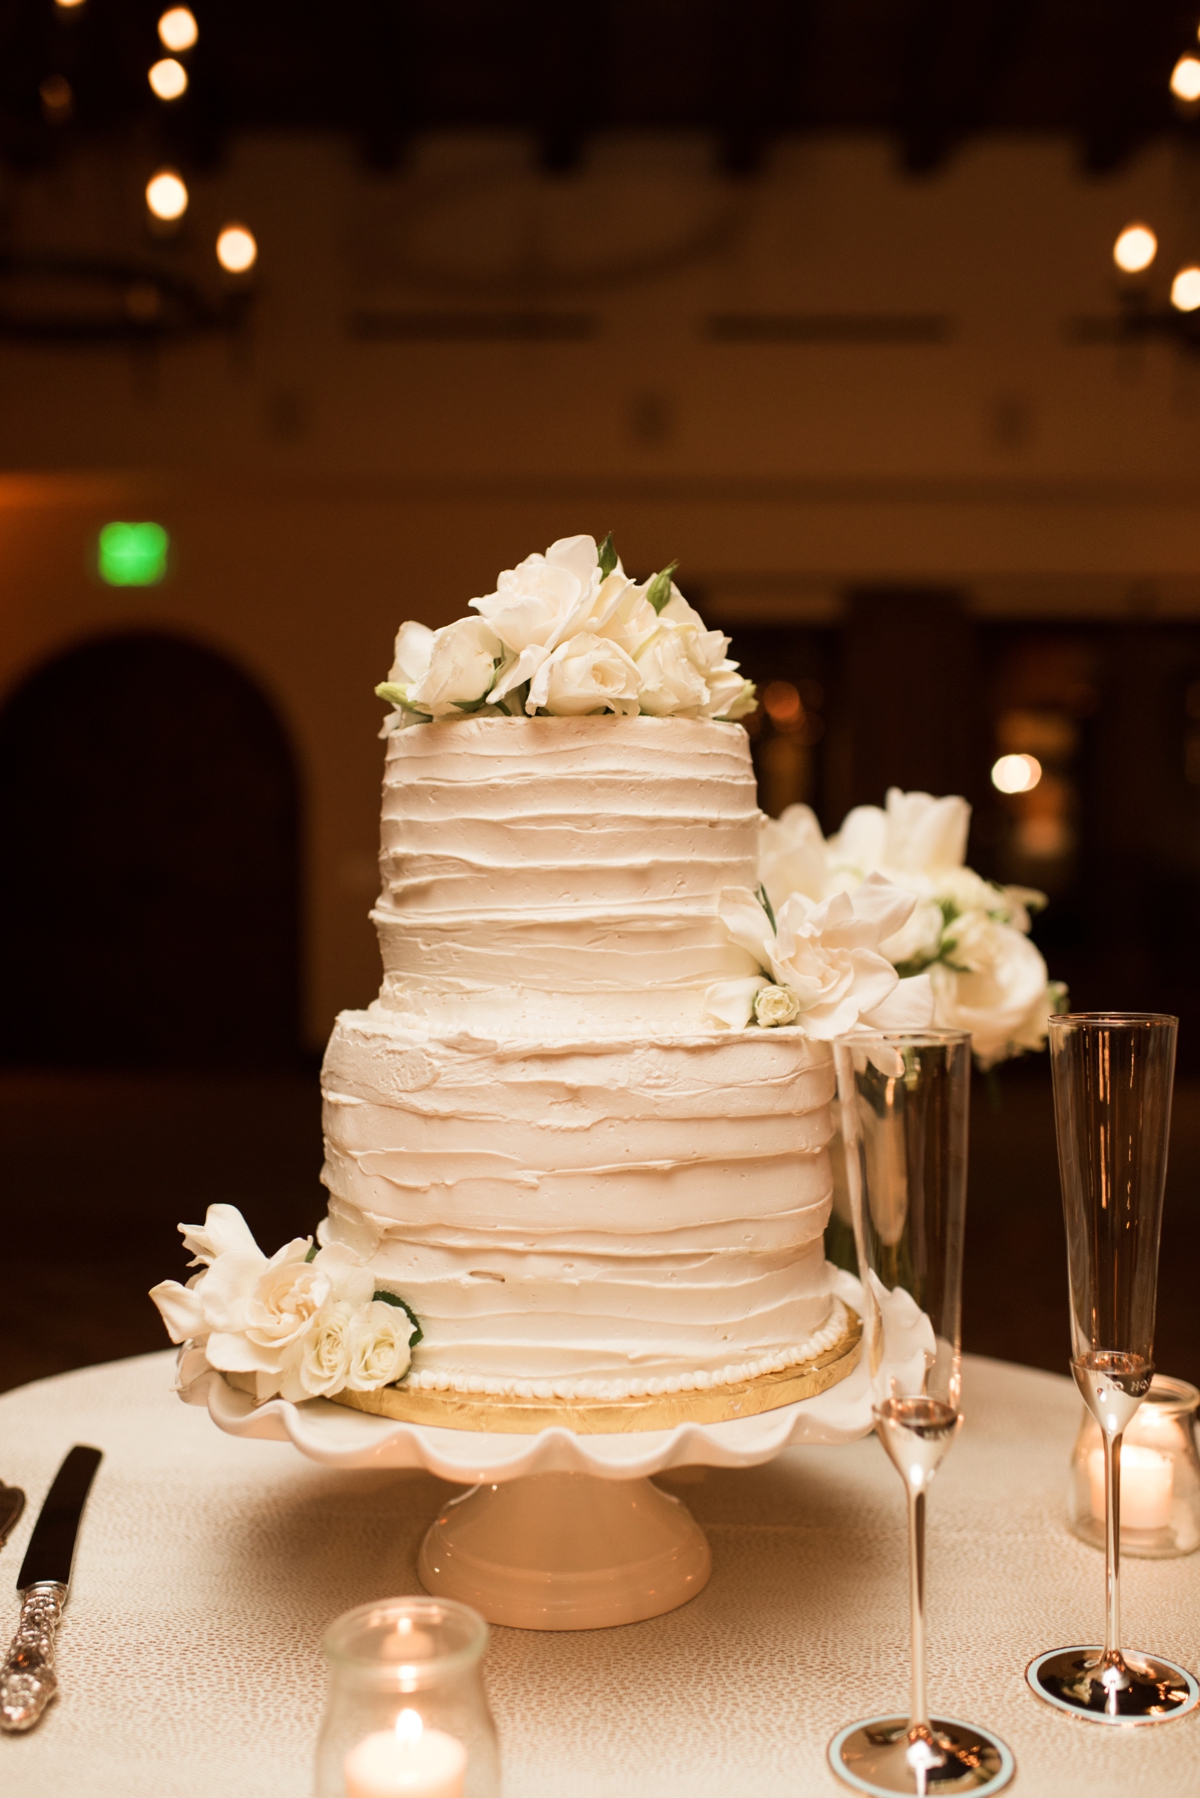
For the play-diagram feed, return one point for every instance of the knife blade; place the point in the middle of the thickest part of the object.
(28, 1680)
(12, 1503)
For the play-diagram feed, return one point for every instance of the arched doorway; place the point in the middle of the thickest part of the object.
(149, 823)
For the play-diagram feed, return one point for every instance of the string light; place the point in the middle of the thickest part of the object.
(1185, 79)
(1135, 249)
(67, 5)
(177, 28)
(166, 195)
(169, 78)
(236, 249)
(1185, 289)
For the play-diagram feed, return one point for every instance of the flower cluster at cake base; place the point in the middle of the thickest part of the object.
(566, 635)
(967, 937)
(307, 1322)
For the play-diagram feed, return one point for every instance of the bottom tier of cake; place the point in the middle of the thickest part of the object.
(586, 1220)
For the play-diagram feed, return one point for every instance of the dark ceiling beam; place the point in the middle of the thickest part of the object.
(760, 52)
(956, 58)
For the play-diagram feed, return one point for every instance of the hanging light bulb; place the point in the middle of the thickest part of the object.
(236, 249)
(166, 195)
(1185, 79)
(168, 78)
(177, 28)
(1185, 289)
(1135, 249)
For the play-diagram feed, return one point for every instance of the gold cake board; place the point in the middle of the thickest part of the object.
(612, 1417)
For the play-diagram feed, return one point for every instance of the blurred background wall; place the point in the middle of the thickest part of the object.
(820, 299)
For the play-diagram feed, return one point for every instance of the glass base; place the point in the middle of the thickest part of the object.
(877, 1756)
(1141, 1688)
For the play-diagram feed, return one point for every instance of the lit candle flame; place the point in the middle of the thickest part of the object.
(409, 1728)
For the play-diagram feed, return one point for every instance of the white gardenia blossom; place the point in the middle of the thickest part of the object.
(586, 674)
(969, 934)
(828, 955)
(252, 1312)
(462, 668)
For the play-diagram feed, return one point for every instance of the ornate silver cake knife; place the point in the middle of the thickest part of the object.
(27, 1679)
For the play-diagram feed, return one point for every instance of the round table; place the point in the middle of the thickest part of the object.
(208, 1568)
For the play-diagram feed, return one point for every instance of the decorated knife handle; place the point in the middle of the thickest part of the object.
(27, 1679)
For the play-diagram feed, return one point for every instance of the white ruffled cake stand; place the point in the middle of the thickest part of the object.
(561, 1530)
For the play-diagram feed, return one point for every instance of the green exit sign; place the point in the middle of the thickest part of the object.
(133, 555)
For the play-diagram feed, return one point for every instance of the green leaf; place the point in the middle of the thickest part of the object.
(606, 555)
(659, 590)
(471, 705)
(393, 1298)
(767, 907)
(312, 1253)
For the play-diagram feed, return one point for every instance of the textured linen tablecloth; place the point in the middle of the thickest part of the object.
(209, 1567)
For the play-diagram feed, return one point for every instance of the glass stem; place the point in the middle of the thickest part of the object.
(919, 1701)
(1112, 1545)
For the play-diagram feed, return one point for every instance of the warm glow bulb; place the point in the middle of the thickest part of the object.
(1185, 289)
(1185, 79)
(1135, 249)
(168, 78)
(178, 29)
(1016, 773)
(67, 5)
(236, 249)
(166, 195)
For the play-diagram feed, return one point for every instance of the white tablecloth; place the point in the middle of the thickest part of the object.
(208, 1568)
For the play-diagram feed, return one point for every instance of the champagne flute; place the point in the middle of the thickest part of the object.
(1112, 1111)
(904, 1104)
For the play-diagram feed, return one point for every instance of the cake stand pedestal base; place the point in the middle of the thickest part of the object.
(566, 1551)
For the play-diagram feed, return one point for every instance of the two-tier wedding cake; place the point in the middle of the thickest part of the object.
(577, 1149)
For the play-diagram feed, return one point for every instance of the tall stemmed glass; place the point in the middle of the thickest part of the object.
(1112, 1109)
(904, 1105)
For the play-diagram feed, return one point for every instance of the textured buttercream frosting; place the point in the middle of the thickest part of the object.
(535, 1134)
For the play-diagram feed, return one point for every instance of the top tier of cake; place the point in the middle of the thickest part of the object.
(562, 873)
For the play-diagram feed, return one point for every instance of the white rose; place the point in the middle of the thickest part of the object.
(462, 668)
(623, 614)
(776, 1005)
(585, 674)
(791, 855)
(671, 683)
(379, 1346)
(545, 597)
(410, 659)
(730, 694)
(320, 1360)
(996, 987)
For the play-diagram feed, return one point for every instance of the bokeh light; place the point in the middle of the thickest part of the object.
(166, 195)
(782, 702)
(168, 78)
(58, 102)
(1135, 249)
(236, 249)
(1016, 773)
(1185, 79)
(178, 29)
(1185, 289)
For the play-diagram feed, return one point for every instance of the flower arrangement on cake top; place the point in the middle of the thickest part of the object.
(568, 634)
(886, 919)
(307, 1322)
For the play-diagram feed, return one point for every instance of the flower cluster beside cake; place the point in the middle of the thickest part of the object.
(577, 1150)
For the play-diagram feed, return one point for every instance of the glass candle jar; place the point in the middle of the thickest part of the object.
(406, 1715)
(1160, 1476)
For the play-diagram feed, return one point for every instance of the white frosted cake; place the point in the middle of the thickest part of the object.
(538, 1135)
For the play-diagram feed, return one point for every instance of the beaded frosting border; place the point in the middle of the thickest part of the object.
(510, 1414)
